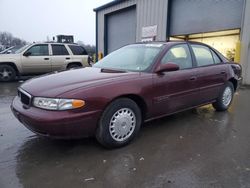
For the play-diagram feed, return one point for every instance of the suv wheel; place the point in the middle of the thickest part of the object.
(73, 66)
(225, 98)
(7, 73)
(119, 124)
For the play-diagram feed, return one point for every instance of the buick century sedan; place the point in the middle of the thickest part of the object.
(135, 84)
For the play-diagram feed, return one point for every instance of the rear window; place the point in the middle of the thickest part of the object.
(203, 55)
(78, 50)
(58, 49)
(216, 58)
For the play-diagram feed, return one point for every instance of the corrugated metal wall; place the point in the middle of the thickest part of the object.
(148, 13)
(245, 44)
(152, 12)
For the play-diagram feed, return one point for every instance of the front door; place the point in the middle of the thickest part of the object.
(38, 61)
(177, 90)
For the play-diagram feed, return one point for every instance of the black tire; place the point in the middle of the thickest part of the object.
(7, 73)
(220, 104)
(73, 66)
(103, 132)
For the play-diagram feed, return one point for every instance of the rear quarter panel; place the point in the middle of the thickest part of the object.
(83, 59)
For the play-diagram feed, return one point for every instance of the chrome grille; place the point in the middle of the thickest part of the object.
(24, 97)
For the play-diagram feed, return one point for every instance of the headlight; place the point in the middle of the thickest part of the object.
(57, 104)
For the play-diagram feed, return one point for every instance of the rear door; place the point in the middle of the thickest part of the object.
(177, 90)
(60, 57)
(211, 72)
(38, 61)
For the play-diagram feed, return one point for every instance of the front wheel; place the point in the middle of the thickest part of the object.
(7, 73)
(119, 124)
(225, 98)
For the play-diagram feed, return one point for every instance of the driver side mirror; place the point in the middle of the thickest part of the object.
(26, 54)
(168, 67)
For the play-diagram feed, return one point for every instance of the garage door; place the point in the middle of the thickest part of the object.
(198, 16)
(121, 29)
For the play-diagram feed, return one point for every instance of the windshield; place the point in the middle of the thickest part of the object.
(22, 49)
(136, 57)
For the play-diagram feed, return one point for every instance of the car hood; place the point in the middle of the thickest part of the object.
(55, 84)
(9, 55)
(4, 57)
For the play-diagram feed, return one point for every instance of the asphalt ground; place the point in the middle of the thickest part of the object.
(196, 148)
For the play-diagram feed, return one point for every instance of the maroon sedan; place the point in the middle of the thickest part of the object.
(137, 83)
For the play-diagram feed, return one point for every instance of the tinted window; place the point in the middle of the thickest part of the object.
(39, 50)
(216, 58)
(180, 55)
(59, 50)
(203, 55)
(77, 50)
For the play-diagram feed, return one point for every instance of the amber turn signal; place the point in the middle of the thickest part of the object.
(78, 103)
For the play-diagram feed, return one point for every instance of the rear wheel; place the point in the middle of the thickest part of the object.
(7, 73)
(225, 98)
(119, 124)
(73, 66)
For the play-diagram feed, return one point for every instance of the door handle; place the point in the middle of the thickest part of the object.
(223, 72)
(193, 78)
(67, 58)
(46, 58)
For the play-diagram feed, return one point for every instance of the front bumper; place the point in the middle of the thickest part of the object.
(57, 124)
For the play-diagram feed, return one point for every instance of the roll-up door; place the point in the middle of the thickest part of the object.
(198, 16)
(120, 29)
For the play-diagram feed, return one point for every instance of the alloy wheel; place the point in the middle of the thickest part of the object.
(5, 74)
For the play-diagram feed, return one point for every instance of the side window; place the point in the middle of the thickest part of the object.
(180, 55)
(203, 55)
(78, 50)
(59, 49)
(39, 50)
(216, 58)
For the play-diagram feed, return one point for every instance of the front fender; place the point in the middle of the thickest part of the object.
(12, 62)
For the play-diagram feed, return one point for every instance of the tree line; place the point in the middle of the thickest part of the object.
(89, 48)
(8, 40)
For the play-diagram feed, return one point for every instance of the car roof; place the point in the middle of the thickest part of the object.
(172, 42)
(58, 43)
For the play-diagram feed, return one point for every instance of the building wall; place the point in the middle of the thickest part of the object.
(245, 44)
(154, 12)
(148, 13)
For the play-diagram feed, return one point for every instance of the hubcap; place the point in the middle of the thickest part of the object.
(227, 96)
(5, 74)
(122, 124)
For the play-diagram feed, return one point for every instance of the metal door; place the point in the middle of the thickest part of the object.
(120, 29)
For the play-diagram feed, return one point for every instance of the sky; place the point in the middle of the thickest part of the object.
(35, 20)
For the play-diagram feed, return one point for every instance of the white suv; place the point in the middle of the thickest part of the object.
(40, 58)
